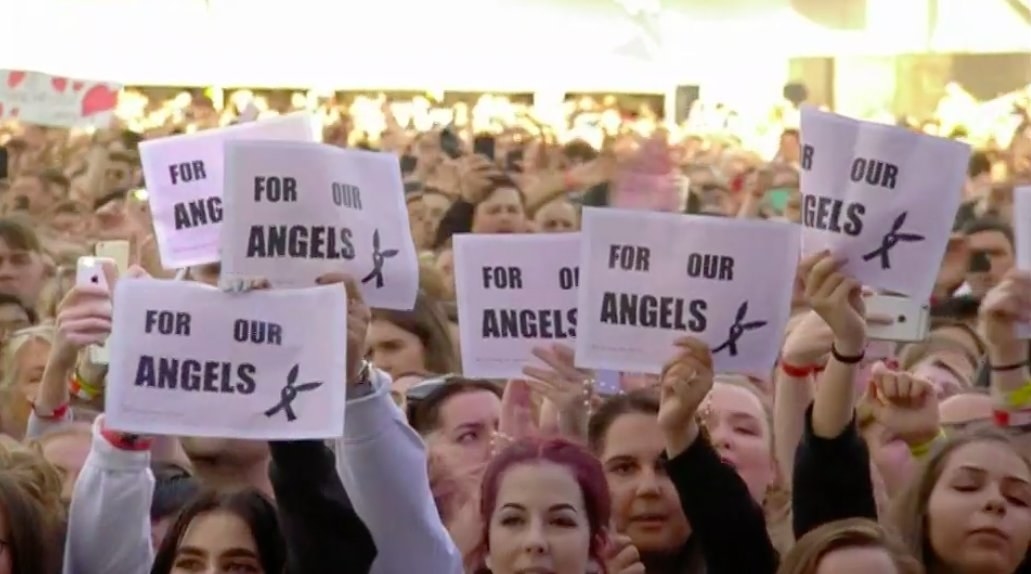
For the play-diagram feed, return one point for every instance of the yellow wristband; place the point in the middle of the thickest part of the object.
(1018, 398)
(82, 388)
(921, 449)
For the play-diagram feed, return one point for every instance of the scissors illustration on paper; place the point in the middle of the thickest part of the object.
(288, 394)
(737, 330)
(379, 257)
(891, 239)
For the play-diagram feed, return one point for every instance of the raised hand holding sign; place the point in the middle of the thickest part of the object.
(882, 197)
(188, 359)
(296, 211)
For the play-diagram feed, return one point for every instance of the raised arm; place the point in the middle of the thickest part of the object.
(109, 518)
(831, 477)
(1003, 308)
(727, 522)
(383, 465)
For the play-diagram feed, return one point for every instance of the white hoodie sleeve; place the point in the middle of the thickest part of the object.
(382, 463)
(109, 518)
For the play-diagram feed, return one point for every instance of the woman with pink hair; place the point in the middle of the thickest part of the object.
(544, 506)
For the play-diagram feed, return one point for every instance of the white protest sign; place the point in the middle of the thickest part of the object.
(184, 184)
(295, 211)
(514, 293)
(648, 279)
(190, 360)
(882, 198)
(1022, 228)
(40, 98)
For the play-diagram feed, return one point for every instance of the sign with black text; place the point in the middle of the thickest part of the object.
(184, 178)
(514, 293)
(880, 197)
(648, 279)
(190, 360)
(295, 211)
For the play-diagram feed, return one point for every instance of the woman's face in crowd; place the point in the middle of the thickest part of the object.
(395, 350)
(501, 212)
(741, 434)
(446, 265)
(979, 512)
(435, 205)
(539, 522)
(645, 504)
(21, 273)
(68, 453)
(217, 542)
(468, 422)
(29, 362)
(857, 560)
(556, 217)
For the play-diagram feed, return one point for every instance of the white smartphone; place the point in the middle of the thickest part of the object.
(117, 251)
(90, 271)
(911, 319)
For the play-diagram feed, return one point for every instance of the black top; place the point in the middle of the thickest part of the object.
(728, 526)
(323, 533)
(831, 479)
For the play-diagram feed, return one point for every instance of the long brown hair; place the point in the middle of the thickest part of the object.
(910, 510)
(428, 322)
(805, 556)
(31, 540)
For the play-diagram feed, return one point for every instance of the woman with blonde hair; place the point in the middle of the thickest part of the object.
(22, 361)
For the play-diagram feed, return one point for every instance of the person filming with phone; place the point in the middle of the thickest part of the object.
(991, 246)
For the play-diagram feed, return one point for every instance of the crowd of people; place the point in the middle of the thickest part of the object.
(849, 456)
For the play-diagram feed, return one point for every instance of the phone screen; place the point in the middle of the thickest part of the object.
(980, 262)
(449, 144)
(3, 162)
(484, 145)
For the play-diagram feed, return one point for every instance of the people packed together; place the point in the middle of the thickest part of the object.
(853, 453)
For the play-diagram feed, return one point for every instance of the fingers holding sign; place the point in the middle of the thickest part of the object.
(837, 298)
(686, 380)
(358, 318)
(1005, 305)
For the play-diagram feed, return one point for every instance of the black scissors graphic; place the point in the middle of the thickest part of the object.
(378, 259)
(738, 329)
(891, 239)
(289, 394)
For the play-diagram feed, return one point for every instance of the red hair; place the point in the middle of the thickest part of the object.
(584, 467)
